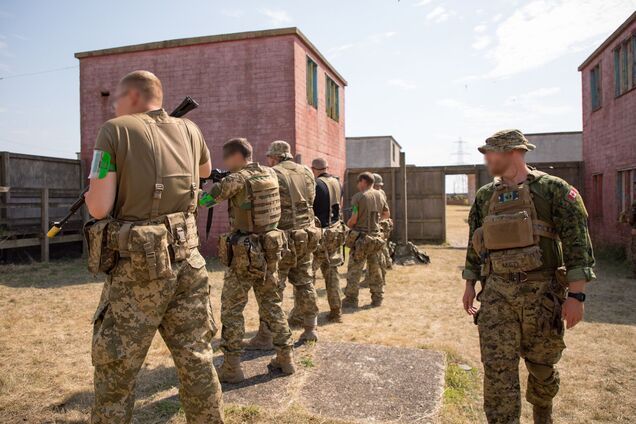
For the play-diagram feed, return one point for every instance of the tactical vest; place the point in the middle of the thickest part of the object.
(335, 194)
(512, 228)
(294, 179)
(257, 208)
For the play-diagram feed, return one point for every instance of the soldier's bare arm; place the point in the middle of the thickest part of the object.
(100, 198)
(206, 169)
(353, 220)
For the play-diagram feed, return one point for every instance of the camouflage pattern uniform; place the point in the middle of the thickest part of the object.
(520, 314)
(365, 242)
(156, 276)
(386, 226)
(258, 267)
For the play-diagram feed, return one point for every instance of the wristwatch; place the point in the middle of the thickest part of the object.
(578, 296)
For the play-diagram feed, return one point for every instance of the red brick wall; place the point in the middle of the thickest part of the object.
(609, 144)
(316, 133)
(249, 88)
(244, 88)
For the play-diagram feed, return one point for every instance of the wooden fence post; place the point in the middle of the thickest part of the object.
(403, 187)
(44, 221)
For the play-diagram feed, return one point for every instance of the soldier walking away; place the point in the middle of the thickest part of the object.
(251, 251)
(530, 248)
(368, 208)
(328, 256)
(143, 186)
(297, 192)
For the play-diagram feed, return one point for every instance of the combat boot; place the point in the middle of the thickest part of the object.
(284, 361)
(309, 335)
(335, 315)
(231, 370)
(376, 302)
(350, 302)
(542, 415)
(263, 339)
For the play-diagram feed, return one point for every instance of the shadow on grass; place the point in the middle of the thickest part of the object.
(47, 275)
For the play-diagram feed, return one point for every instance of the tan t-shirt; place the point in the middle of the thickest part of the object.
(370, 204)
(182, 150)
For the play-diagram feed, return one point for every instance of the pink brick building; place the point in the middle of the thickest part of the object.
(263, 85)
(609, 134)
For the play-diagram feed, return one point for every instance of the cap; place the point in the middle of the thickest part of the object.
(506, 140)
(279, 148)
(319, 163)
(377, 180)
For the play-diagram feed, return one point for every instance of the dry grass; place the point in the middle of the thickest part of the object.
(45, 370)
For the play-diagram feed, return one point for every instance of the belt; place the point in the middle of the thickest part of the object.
(522, 277)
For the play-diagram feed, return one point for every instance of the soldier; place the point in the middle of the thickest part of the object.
(252, 253)
(143, 185)
(530, 248)
(297, 192)
(386, 225)
(368, 208)
(328, 257)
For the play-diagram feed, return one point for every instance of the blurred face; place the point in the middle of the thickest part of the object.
(498, 162)
(234, 162)
(271, 161)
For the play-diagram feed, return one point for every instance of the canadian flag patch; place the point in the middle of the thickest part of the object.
(572, 194)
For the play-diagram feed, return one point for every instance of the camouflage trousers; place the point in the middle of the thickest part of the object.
(129, 313)
(299, 271)
(519, 320)
(328, 263)
(355, 269)
(236, 286)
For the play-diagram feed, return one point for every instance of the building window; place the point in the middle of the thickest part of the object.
(595, 86)
(332, 99)
(625, 66)
(625, 191)
(312, 83)
(393, 151)
(597, 196)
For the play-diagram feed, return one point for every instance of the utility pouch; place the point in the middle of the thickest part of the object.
(274, 243)
(301, 242)
(177, 236)
(352, 237)
(508, 231)
(149, 254)
(515, 260)
(225, 249)
(101, 258)
(361, 247)
(330, 240)
(314, 235)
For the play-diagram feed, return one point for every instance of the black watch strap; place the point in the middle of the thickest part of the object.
(578, 296)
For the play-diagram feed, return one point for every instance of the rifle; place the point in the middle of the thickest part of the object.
(188, 104)
(216, 176)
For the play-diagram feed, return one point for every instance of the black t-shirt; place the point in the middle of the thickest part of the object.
(321, 204)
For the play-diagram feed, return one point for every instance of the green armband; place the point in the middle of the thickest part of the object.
(207, 200)
(101, 165)
(354, 209)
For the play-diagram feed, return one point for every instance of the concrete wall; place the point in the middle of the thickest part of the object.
(373, 152)
(609, 142)
(556, 147)
(252, 87)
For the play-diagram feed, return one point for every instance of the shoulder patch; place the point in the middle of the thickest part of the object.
(572, 194)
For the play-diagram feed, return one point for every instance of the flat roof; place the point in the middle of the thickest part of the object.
(609, 41)
(374, 137)
(554, 133)
(208, 39)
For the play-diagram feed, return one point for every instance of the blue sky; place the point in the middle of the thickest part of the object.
(426, 71)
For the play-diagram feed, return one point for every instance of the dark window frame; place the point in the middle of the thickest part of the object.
(312, 82)
(596, 87)
(624, 55)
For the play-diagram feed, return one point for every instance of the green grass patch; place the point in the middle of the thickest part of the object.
(242, 414)
(307, 361)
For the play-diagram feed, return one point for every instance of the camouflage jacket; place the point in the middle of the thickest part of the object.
(558, 202)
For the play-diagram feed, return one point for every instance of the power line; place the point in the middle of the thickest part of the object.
(460, 153)
(28, 74)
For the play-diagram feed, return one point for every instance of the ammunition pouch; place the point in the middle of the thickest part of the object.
(314, 235)
(248, 257)
(274, 243)
(367, 245)
(515, 260)
(333, 237)
(101, 258)
(148, 252)
(508, 231)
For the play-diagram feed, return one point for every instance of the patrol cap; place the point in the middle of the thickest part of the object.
(506, 140)
(377, 180)
(319, 163)
(279, 149)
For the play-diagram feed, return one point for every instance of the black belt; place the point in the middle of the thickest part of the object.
(522, 277)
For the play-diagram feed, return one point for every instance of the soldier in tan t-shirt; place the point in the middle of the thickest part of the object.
(143, 189)
(369, 207)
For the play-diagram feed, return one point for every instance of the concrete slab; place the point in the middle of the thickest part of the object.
(370, 383)
(347, 381)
